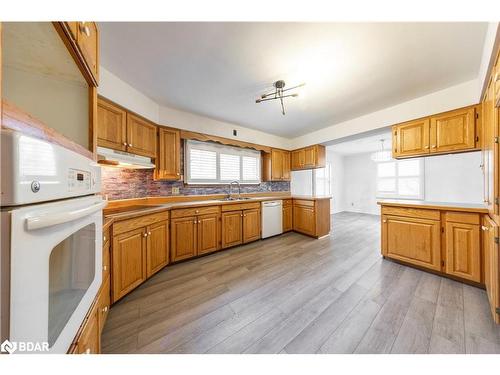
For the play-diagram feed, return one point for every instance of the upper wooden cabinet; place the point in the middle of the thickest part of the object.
(308, 158)
(85, 38)
(276, 165)
(141, 136)
(411, 138)
(124, 131)
(111, 126)
(463, 252)
(453, 131)
(168, 163)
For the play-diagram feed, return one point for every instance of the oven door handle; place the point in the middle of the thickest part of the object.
(45, 221)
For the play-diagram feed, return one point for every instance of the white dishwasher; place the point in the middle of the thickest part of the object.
(272, 217)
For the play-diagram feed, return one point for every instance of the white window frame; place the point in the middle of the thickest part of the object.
(220, 149)
(395, 195)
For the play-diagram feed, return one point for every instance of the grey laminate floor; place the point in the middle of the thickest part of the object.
(294, 294)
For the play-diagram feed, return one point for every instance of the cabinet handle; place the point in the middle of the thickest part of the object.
(105, 309)
(199, 221)
(104, 238)
(130, 145)
(105, 268)
(196, 211)
(194, 222)
(84, 28)
(426, 147)
(87, 351)
(149, 233)
(433, 146)
(125, 143)
(484, 228)
(145, 234)
(384, 221)
(178, 174)
(241, 215)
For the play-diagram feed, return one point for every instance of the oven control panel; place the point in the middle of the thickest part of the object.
(79, 180)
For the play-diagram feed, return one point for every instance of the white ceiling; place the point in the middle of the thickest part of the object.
(350, 69)
(362, 144)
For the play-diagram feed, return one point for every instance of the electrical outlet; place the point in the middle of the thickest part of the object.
(175, 190)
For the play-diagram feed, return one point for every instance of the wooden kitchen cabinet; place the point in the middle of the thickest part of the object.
(141, 136)
(251, 225)
(311, 217)
(232, 228)
(462, 241)
(412, 239)
(303, 219)
(157, 247)
(208, 233)
(168, 164)
(491, 265)
(129, 261)
(89, 341)
(308, 158)
(183, 233)
(276, 165)
(88, 42)
(411, 138)
(453, 131)
(111, 126)
(103, 303)
(287, 215)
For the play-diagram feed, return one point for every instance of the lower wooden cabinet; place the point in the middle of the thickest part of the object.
(129, 261)
(413, 240)
(491, 265)
(303, 219)
(89, 341)
(287, 215)
(157, 247)
(208, 227)
(103, 303)
(463, 253)
(251, 225)
(311, 217)
(232, 228)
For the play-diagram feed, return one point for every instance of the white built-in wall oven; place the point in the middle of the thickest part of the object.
(51, 245)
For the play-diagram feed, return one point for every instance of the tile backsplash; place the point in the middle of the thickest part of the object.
(138, 183)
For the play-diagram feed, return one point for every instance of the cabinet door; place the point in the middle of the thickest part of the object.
(412, 138)
(89, 341)
(208, 233)
(276, 165)
(453, 131)
(251, 225)
(157, 249)
(298, 159)
(129, 262)
(111, 126)
(88, 42)
(463, 257)
(286, 165)
(287, 218)
(304, 220)
(168, 165)
(310, 157)
(491, 265)
(232, 231)
(73, 28)
(183, 233)
(412, 240)
(103, 303)
(141, 136)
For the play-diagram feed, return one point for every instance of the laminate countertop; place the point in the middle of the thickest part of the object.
(134, 210)
(466, 207)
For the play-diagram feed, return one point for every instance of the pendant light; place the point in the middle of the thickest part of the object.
(382, 155)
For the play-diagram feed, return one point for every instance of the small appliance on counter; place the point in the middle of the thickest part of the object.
(51, 246)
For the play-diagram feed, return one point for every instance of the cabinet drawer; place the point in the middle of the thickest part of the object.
(240, 206)
(183, 212)
(462, 217)
(303, 202)
(411, 212)
(138, 222)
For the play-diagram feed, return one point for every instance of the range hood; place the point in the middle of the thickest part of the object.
(120, 159)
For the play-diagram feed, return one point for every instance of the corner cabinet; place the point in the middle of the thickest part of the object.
(168, 163)
(308, 158)
(453, 131)
(491, 265)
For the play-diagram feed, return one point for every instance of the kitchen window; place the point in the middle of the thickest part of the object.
(212, 163)
(400, 179)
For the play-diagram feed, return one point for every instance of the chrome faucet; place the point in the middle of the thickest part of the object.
(231, 189)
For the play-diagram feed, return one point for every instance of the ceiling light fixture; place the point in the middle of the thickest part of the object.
(279, 90)
(382, 155)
